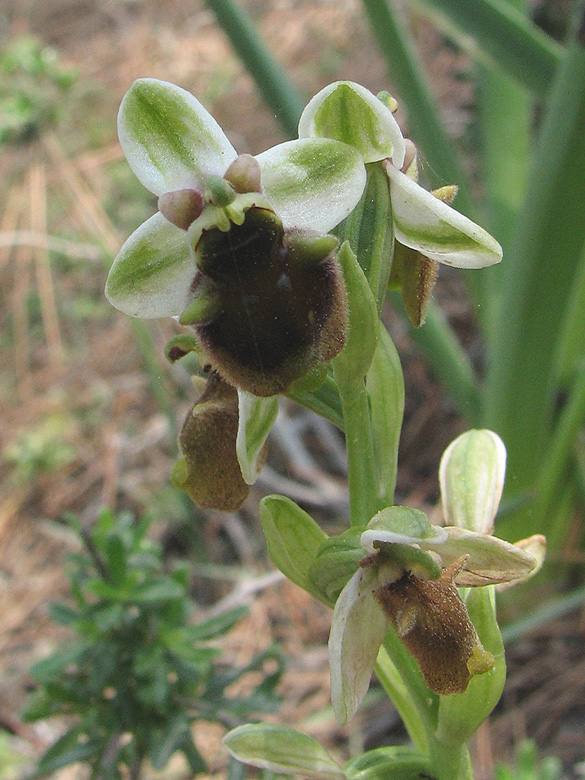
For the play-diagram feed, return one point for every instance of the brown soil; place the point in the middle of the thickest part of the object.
(75, 384)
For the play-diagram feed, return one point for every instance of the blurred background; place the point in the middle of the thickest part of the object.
(89, 408)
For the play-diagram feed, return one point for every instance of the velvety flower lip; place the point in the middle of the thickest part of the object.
(176, 148)
(350, 113)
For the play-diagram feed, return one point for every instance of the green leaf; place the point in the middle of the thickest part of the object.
(353, 362)
(293, 539)
(216, 626)
(193, 756)
(170, 740)
(53, 666)
(62, 614)
(313, 183)
(389, 763)
(256, 418)
(163, 589)
(281, 749)
(348, 112)
(170, 141)
(116, 558)
(496, 32)
(67, 750)
(152, 274)
(385, 389)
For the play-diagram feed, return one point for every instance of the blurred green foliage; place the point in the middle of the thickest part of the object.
(33, 84)
(139, 672)
(42, 448)
(528, 765)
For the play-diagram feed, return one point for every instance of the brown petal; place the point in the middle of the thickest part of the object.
(209, 471)
(432, 621)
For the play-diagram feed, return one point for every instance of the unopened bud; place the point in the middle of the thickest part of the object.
(244, 174)
(181, 207)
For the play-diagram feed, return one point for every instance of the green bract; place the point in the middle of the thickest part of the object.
(347, 112)
(177, 149)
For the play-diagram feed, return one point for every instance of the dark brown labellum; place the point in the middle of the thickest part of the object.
(278, 307)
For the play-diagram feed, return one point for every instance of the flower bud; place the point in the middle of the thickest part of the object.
(181, 207)
(471, 476)
(244, 174)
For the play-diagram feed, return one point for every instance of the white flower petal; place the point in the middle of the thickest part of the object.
(348, 112)
(170, 141)
(312, 184)
(489, 560)
(152, 274)
(425, 223)
(358, 628)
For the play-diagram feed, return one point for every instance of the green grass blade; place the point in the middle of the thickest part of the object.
(497, 33)
(424, 117)
(544, 614)
(505, 114)
(572, 341)
(277, 89)
(538, 277)
(449, 361)
(559, 451)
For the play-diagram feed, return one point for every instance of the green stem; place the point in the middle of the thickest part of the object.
(405, 695)
(277, 89)
(450, 762)
(362, 476)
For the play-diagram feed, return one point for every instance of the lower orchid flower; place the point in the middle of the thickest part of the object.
(239, 248)
(409, 575)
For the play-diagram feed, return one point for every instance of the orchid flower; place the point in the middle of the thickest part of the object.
(236, 239)
(409, 575)
(348, 112)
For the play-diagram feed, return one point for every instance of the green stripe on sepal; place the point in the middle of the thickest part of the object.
(152, 274)
(350, 113)
(425, 223)
(313, 183)
(170, 141)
